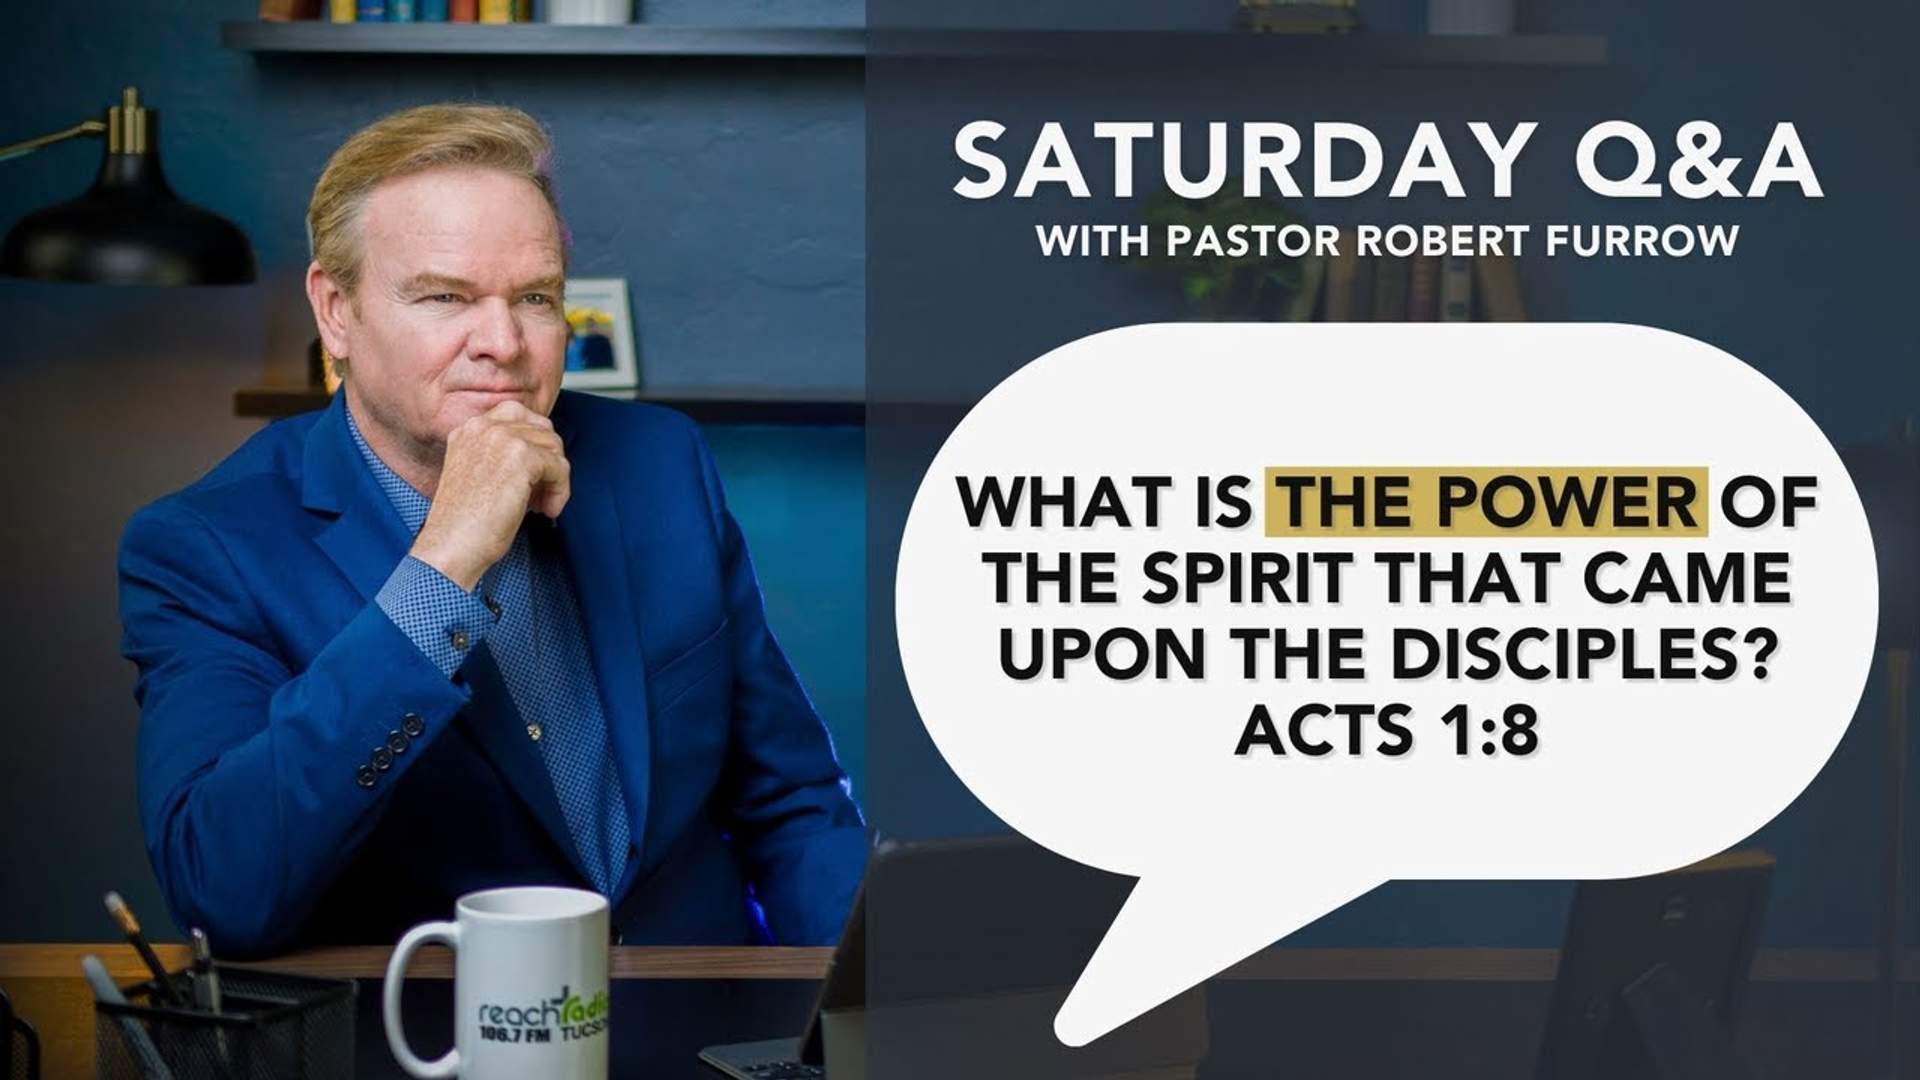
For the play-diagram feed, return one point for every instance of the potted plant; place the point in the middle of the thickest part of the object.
(1250, 287)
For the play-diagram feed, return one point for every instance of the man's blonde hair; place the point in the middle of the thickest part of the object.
(411, 141)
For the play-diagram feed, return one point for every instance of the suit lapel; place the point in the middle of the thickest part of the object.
(596, 549)
(366, 540)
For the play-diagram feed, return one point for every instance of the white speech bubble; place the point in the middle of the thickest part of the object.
(1236, 852)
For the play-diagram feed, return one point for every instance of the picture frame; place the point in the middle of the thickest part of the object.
(600, 350)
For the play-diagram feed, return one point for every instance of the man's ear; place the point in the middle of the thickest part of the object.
(331, 310)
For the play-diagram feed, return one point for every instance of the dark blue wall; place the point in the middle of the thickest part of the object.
(730, 195)
(727, 193)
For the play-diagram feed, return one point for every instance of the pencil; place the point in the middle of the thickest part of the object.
(105, 990)
(122, 914)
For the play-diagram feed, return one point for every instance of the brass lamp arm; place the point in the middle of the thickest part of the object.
(84, 127)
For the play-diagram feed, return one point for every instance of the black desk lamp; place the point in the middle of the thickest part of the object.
(129, 228)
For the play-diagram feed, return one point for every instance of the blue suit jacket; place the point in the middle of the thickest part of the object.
(268, 676)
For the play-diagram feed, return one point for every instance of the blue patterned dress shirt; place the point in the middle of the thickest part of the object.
(525, 613)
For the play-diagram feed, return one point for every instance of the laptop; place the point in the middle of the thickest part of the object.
(804, 1058)
(951, 930)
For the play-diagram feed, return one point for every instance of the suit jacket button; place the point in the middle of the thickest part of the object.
(413, 725)
(382, 758)
(397, 742)
(364, 776)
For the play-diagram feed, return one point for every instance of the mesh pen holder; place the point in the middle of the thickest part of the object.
(271, 1026)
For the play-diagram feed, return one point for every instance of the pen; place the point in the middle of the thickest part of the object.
(206, 984)
(105, 991)
(122, 914)
(206, 981)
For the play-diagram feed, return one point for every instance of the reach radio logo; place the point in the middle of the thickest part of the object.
(566, 1015)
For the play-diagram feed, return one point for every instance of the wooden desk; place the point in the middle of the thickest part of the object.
(1436, 983)
(45, 984)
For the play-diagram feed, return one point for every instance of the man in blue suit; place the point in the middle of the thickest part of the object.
(461, 629)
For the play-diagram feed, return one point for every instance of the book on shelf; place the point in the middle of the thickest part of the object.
(1496, 281)
(347, 11)
(288, 10)
(1360, 299)
(1313, 272)
(463, 10)
(1456, 288)
(1423, 289)
(1391, 282)
(496, 11)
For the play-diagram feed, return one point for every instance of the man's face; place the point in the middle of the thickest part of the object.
(458, 307)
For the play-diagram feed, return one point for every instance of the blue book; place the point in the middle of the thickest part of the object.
(433, 10)
(400, 11)
(371, 11)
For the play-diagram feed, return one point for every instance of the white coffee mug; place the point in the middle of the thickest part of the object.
(530, 993)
